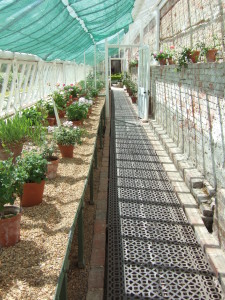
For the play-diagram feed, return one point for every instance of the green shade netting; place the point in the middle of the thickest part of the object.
(60, 29)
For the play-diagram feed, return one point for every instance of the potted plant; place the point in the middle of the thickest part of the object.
(171, 55)
(11, 182)
(211, 50)
(66, 137)
(76, 112)
(161, 57)
(184, 58)
(51, 113)
(60, 102)
(14, 132)
(34, 168)
(134, 92)
(53, 160)
(133, 63)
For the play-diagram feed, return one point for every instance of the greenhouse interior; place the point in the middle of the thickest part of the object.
(112, 149)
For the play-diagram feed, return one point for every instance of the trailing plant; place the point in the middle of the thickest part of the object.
(11, 183)
(68, 135)
(76, 111)
(33, 167)
(183, 58)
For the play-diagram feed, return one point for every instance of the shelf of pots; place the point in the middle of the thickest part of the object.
(76, 113)
(15, 131)
(42, 256)
(66, 136)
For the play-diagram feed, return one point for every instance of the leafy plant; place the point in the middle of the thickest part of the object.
(19, 129)
(50, 109)
(183, 58)
(116, 77)
(11, 183)
(205, 48)
(33, 115)
(65, 135)
(133, 63)
(161, 55)
(33, 167)
(76, 111)
(59, 99)
(48, 150)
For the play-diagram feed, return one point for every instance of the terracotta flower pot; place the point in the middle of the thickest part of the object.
(134, 99)
(52, 167)
(69, 102)
(211, 55)
(32, 194)
(170, 61)
(10, 227)
(61, 114)
(75, 98)
(16, 149)
(51, 121)
(162, 61)
(66, 150)
(194, 56)
(78, 122)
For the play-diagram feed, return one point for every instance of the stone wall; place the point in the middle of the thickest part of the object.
(190, 105)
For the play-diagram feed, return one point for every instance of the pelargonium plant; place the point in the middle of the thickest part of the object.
(161, 55)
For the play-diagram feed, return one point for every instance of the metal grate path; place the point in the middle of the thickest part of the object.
(152, 250)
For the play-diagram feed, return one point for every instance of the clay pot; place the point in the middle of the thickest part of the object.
(75, 98)
(170, 61)
(211, 55)
(61, 113)
(32, 193)
(69, 102)
(51, 121)
(162, 61)
(194, 56)
(66, 150)
(10, 227)
(134, 99)
(78, 122)
(52, 167)
(16, 149)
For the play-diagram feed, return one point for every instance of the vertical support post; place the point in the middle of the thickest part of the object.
(106, 78)
(91, 185)
(81, 262)
(95, 63)
(118, 42)
(40, 79)
(64, 74)
(75, 70)
(85, 81)
(141, 33)
(100, 132)
(104, 117)
(96, 157)
(157, 13)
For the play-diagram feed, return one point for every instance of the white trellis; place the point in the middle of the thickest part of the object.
(25, 79)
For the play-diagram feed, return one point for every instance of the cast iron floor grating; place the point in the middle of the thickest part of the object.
(152, 250)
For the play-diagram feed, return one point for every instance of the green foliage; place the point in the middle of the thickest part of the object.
(47, 149)
(33, 115)
(204, 48)
(133, 63)
(183, 58)
(33, 167)
(60, 100)
(70, 90)
(161, 55)
(50, 109)
(68, 135)
(40, 107)
(19, 129)
(116, 77)
(76, 111)
(11, 182)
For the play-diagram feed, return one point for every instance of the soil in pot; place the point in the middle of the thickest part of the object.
(194, 56)
(52, 167)
(66, 150)
(211, 55)
(16, 149)
(10, 226)
(32, 194)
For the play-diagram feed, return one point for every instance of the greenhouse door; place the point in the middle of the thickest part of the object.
(143, 83)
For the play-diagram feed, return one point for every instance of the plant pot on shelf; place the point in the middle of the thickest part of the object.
(32, 193)
(78, 122)
(194, 56)
(10, 226)
(61, 113)
(52, 167)
(162, 61)
(69, 102)
(51, 121)
(15, 149)
(75, 98)
(66, 150)
(171, 61)
(134, 99)
(211, 55)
